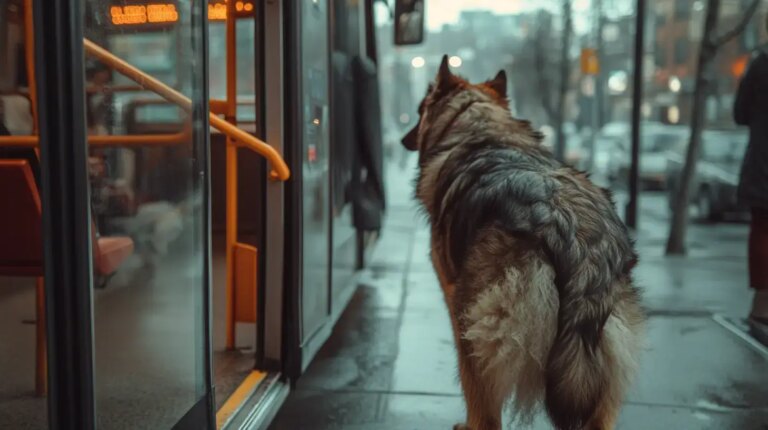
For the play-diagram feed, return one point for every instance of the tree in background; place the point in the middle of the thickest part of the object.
(711, 42)
(535, 71)
(542, 73)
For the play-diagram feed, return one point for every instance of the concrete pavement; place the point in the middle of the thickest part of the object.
(390, 363)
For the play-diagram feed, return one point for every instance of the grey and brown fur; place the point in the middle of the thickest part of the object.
(533, 260)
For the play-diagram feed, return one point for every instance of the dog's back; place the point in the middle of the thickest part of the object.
(535, 264)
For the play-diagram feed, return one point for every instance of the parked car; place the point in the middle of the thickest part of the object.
(575, 154)
(717, 174)
(658, 141)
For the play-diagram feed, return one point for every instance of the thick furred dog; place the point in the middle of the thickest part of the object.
(533, 260)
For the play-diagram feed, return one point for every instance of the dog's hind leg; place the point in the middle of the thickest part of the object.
(484, 406)
(606, 416)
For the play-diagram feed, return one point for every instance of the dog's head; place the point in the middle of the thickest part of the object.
(447, 88)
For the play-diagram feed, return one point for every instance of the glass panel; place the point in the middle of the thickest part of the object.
(149, 213)
(246, 62)
(314, 155)
(22, 346)
(346, 44)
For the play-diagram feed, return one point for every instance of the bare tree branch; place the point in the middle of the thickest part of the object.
(739, 28)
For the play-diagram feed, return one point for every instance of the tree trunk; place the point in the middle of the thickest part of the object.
(545, 85)
(676, 241)
(597, 98)
(564, 80)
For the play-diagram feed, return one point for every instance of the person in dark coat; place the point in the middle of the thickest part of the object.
(751, 110)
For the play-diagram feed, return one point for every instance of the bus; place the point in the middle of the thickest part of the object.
(190, 191)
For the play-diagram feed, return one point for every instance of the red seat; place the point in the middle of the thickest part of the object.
(21, 245)
(21, 251)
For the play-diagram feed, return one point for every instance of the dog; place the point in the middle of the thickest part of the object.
(533, 261)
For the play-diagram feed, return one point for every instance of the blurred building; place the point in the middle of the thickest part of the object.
(677, 33)
(476, 54)
(613, 86)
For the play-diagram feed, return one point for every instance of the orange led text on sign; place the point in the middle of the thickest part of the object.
(149, 14)
(218, 11)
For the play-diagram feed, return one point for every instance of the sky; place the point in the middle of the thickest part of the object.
(441, 12)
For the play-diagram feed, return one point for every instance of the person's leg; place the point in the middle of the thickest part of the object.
(758, 263)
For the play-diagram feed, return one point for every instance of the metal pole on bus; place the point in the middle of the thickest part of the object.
(637, 102)
(231, 175)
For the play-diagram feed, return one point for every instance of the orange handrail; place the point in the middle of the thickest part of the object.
(280, 170)
(140, 139)
(19, 141)
(115, 89)
(107, 140)
(219, 107)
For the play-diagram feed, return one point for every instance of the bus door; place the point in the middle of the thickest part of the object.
(248, 204)
(150, 184)
(309, 198)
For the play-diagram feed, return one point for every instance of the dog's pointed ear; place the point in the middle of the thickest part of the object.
(445, 78)
(499, 83)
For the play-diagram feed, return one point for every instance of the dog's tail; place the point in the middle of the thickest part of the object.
(579, 368)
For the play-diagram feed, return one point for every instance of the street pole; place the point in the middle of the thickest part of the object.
(596, 116)
(600, 87)
(637, 101)
(560, 144)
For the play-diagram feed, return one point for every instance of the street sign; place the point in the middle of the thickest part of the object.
(590, 64)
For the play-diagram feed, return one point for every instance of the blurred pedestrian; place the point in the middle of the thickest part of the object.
(751, 110)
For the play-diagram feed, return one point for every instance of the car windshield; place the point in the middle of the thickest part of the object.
(660, 141)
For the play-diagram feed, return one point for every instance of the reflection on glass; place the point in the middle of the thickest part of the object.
(22, 337)
(409, 21)
(148, 217)
(315, 166)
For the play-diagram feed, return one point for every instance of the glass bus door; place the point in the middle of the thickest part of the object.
(310, 200)
(125, 210)
(149, 185)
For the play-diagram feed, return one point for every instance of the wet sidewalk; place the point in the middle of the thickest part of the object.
(390, 363)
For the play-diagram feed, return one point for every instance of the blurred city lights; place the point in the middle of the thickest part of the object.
(673, 114)
(675, 85)
(418, 62)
